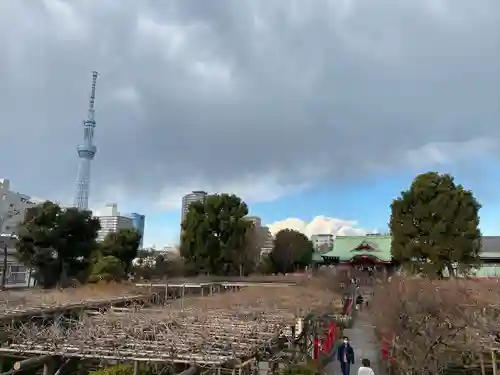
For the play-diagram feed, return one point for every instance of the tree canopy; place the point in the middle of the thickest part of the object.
(214, 233)
(107, 268)
(292, 251)
(57, 242)
(435, 226)
(123, 245)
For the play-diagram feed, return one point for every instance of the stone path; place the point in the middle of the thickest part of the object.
(364, 343)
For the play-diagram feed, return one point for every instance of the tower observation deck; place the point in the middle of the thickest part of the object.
(86, 152)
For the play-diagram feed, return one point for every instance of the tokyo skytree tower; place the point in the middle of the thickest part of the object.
(86, 152)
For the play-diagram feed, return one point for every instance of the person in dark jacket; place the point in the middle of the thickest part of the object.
(345, 355)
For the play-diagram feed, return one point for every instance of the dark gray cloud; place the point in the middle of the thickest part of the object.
(239, 94)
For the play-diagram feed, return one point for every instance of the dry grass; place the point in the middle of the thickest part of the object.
(211, 329)
(433, 322)
(36, 299)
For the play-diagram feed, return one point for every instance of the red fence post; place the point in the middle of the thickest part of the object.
(385, 349)
(316, 349)
(328, 343)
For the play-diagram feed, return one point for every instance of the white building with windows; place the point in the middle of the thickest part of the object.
(112, 221)
(13, 206)
(322, 241)
(16, 275)
(266, 239)
(194, 196)
(268, 243)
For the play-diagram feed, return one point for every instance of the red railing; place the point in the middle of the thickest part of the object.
(387, 351)
(328, 343)
(348, 305)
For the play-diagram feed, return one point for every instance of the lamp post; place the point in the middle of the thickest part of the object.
(4, 216)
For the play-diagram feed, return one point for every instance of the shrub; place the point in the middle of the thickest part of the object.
(127, 369)
(433, 323)
(107, 268)
(123, 369)
(310, 368)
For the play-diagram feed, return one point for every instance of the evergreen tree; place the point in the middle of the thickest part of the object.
(57, 243)
(214, 234)
(435, 227)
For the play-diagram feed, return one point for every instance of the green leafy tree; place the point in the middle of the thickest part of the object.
(292, 251)
(107, 268)
(213, 235)
(122, 245)
(435, 227)
(57, 243)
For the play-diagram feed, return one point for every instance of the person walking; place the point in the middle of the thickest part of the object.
(345, 355)
(365, 368)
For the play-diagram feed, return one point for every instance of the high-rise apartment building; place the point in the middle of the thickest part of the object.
(139, 221)
(13, 206)
(111, 221)
(192, 197)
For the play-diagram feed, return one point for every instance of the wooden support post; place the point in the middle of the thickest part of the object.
(136, 368)
(274, 367)
(189, 371)
(256, 367)
(494, 362)
(166, 293)
(182, 296)
(32, 362)
(48, 367)
(481, 361)
(63, 367)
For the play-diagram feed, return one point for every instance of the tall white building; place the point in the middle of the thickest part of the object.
(268, 243)
(13, 206)
(112, 221)
(192, 197)
(266, 239)
(321, 241)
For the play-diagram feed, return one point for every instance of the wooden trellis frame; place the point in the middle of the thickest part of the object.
(207, 331)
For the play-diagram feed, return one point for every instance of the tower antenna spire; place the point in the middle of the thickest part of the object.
(91, 112)
(86, 153)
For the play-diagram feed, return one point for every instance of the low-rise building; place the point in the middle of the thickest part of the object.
(374, 252)
(13, 206)
(17, 274)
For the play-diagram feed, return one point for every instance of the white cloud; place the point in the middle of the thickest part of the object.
(319, 225)
(445, 153)
(252, 189)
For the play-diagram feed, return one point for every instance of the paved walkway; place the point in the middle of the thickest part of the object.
(364, 343)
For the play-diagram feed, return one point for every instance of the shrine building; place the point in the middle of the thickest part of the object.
(373, 253)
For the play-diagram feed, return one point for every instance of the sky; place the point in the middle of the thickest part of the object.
(316, 113)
